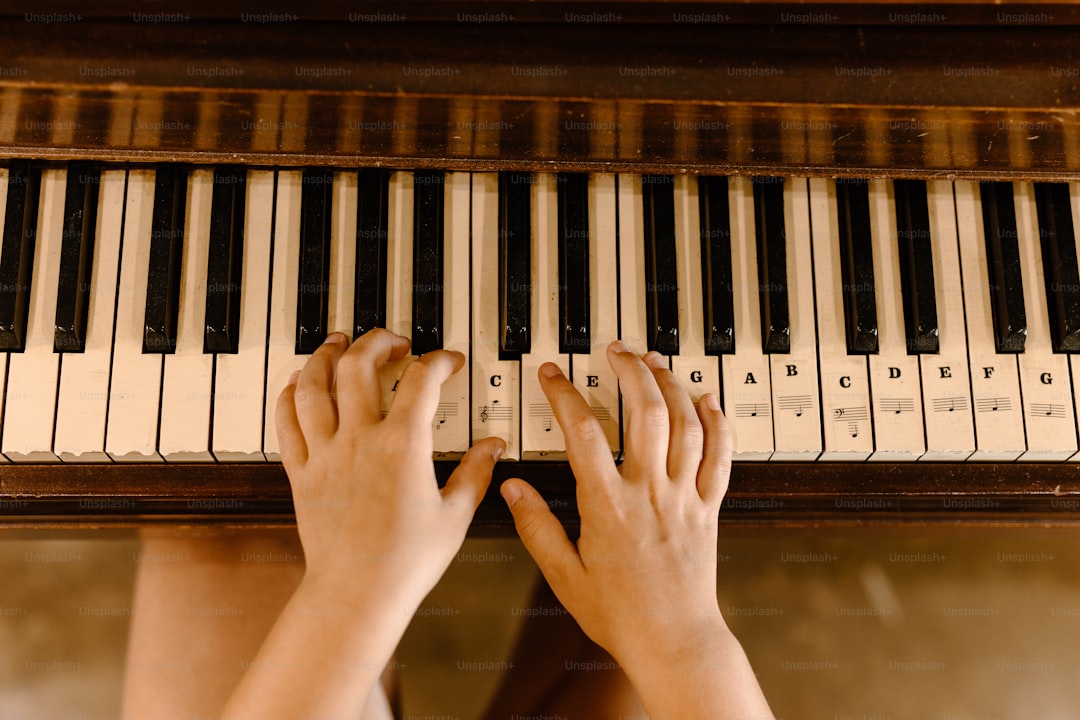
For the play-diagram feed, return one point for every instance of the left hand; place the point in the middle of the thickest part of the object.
(368, 508)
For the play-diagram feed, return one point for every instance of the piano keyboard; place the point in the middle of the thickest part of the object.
(154, 314)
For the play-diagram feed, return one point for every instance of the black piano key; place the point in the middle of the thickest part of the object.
(372, 213)
(661, 271)
(313, 291)
(1003, 265)
(427, 308)
(17, 252)
(574, 323)
(224, 268)
(857, 265)
(1058, 240)
(76, 257)
(916, 266)
(166, 253)
(515, 279)
(772, 264)
(716, 265)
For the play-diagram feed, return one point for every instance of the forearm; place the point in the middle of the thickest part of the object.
(324, 655)
(710, 677)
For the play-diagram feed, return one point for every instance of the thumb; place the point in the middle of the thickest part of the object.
(467, 484)
(540, 531)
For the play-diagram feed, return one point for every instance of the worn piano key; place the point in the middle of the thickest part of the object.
(845, 387)
(240, 379)
(995, 380)
(698, 372)
(573, 243)
(281, 356)
(1045, 387)
(17, 251)
(166, 253)
(450, 427)
(1003, 260)
(514, 263)
(746, 374)
(76, 258)
(661, 268)
(82, 404)
(633, 328)
(796, 407)
(341, 303)
(857, 265)
(225, 264)
(946, 377)
(591, 373)
(427, 255)
(772, 263)
(371, 233)
(916, 266)
(187, 376)
(1062, 279)
(135, 386)
(496, 384)
(30, 403)
(399, 282)
(894, 373)
(715, 226)
(313, 291)
(541, 435)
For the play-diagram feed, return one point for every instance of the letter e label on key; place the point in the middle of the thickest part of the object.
(845, 381)
(592, 381)
(946, 371)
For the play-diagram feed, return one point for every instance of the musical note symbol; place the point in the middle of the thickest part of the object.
(994, 409)
(854, 428)
(952, 405)
(798, 413)
(547, 424)
(753, 413)
(442, 418)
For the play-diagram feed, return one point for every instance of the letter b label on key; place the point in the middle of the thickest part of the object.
(792, 370)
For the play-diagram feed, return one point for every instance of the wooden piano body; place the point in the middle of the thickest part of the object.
(951, 91)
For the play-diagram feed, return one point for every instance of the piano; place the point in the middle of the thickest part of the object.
(857, 223)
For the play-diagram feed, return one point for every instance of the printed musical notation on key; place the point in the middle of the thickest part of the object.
(797, 404)
(993, 404)
(949, 404)
(897, 405)
(495, 411)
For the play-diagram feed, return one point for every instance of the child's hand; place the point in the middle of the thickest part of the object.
(368, 507)
(642, 576)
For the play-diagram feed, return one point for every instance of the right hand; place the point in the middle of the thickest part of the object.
(642, 576)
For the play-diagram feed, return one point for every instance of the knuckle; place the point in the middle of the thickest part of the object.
(654, 415)
(585, 428)
(418, 371)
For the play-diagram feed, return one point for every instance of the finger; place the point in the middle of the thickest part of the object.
(466, 486)
(647, 424)
(712, 476)
(291, 443)
(541, 533)
(316, 408)
(358, 387)
(587, 446)
(418, 391)
(686, 438)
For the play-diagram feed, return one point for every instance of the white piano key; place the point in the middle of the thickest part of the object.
(184, 434)
(240, 379)
(399, 277)
(339, 315)
(591, 373)
(541, 436)
(1074, 360)
(450, 428)
(496, 383)
(845, 389)
(946, 379)
(632, 321)
(895, 386)
(82, 406)
(30, 405)
(995, 383)
(281, 358)
(135, 388)
(1049, 415)
(3, 195)
(796, 408)
(699, 373)
(747, 378)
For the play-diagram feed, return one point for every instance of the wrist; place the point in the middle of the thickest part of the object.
(689, 642)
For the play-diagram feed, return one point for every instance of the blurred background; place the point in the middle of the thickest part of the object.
(839, 624)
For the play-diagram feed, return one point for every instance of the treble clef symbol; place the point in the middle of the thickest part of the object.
(483, 414)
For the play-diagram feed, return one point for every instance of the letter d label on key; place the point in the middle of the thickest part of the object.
(894, 372)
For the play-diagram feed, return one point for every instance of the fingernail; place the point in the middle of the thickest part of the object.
(620, 347)
(550, 370)
(655, 359)
(497, 451)
(292, 378)
(712, 402)
(511, 492)
(337, 337)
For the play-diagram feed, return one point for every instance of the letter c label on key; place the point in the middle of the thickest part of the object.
(845, 381)
(1046, 379)
(496, 381)
(695, 376)
(592, 381)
